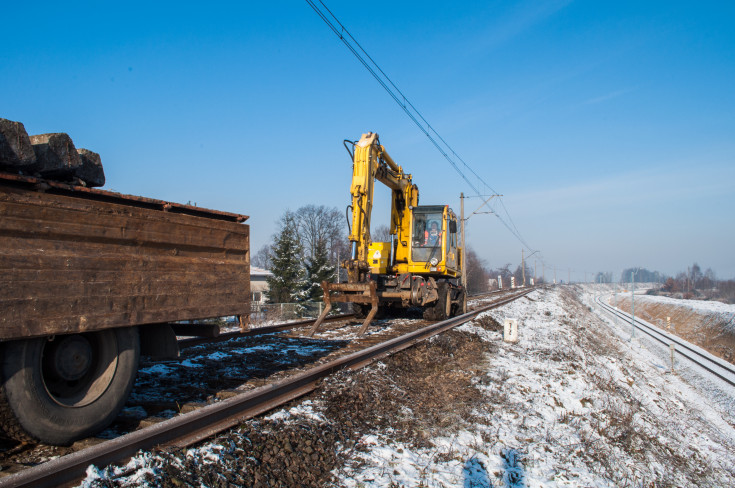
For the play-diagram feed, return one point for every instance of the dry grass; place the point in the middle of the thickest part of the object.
(420, 392)
(620, 426)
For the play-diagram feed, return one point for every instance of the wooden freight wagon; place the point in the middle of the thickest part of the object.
(89, 277)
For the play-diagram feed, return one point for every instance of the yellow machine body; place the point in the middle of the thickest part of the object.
(419, 267)
(409, 223)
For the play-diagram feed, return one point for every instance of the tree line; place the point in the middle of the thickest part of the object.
(695, 283)
(304, 252)
(311, 241)
(692, 283)
(481, 277)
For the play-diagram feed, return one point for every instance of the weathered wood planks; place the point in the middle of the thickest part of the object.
(75, 261)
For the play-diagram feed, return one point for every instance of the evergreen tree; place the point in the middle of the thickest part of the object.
(318, 269)
(287, 283)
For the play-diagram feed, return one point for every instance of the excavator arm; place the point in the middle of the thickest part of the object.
(405, 271)
(372, 162)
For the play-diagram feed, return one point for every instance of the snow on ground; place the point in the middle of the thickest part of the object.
(710, 395)
(711, 312)
(566, 406)
(570, 404)
(725, 309)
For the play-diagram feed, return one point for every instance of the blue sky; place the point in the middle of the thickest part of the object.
(609, 127)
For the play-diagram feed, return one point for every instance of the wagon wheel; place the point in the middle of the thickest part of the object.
(67, 387)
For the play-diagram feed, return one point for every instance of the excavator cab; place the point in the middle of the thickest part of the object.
(434, 242)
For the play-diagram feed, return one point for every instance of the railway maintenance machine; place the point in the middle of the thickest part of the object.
(421, 266)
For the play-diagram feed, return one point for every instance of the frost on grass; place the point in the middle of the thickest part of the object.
(296, 449)
(563, 407)
(568, 405)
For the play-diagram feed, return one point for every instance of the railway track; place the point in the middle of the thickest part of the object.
(268, 329)
(204, 422)
(712, 364)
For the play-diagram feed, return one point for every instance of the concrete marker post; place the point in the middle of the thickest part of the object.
(510, 330)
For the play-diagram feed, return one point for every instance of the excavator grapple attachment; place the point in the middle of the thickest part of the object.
(364, 293)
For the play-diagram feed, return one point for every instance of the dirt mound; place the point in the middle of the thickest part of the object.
(435, 378)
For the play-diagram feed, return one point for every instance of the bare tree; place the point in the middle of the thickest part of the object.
(477, 273)
(262, 258)
(709, 280)
(380, 234)
(518, 274)
(319, 224)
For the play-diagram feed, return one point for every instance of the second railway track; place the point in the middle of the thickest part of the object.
(714, 366)
(237, 405)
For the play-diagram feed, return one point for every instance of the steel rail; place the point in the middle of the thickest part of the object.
(200, 424)
(268, 329)
(487, 294)
(679, 343)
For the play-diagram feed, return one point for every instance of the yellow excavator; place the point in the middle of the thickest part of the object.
(421, 266)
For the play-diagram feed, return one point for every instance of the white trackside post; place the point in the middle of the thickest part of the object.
(510, 330)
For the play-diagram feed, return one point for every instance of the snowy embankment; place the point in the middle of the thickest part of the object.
(708, 324)
(567, 406)
(706, 313)
(570, 404)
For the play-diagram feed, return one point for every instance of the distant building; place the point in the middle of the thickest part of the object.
(258, 284)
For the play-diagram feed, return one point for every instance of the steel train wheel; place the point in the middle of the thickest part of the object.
(447, 302)
(67, 387)
(463, 303)
(442, 309)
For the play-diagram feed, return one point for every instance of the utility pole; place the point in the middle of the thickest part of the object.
(616, 303)
(632, 300)
(554, 274)
(464, 246)
(534, 271)
(569, 276)
(523, 268)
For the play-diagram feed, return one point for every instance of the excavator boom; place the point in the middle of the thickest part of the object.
(420, 264)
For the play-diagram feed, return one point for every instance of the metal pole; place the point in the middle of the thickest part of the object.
(523, 268)
(615, 293)
(534, 271)
(632, 299)
(464, 245)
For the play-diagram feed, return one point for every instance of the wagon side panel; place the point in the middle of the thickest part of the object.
(71, 263)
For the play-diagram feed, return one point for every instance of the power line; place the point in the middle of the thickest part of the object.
(413, 113)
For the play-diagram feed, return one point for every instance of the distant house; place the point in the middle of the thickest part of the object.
(258, 284)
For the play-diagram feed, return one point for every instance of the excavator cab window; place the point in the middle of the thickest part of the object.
(427, 236)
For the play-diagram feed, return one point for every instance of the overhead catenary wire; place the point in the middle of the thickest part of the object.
(413, 113)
